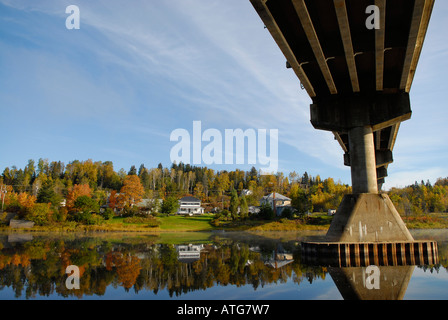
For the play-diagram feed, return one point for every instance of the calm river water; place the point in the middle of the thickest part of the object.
(201, 266)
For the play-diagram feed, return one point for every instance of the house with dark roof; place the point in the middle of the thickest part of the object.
(190, 206)
(277, 201)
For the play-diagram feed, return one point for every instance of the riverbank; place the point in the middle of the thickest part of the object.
(430, 221)
(207, 223)
(176, 223)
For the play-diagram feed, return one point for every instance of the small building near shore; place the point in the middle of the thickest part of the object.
(21, 224)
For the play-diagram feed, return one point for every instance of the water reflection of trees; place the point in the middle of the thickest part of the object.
(37, 267)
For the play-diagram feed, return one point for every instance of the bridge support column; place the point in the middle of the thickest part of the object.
(366, 215)
(362, 160)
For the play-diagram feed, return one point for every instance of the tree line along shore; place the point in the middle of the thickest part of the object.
(88, 195)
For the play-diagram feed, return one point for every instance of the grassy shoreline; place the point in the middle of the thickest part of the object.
(206, 223)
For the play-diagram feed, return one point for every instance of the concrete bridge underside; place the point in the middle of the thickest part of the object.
(359, 81)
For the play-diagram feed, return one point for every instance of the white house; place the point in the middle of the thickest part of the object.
(190, 206)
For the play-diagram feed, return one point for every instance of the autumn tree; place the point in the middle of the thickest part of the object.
(113, 200)
(75, 192)
(199, 190)
(26, 200)
(21, 203)
(82, 172)
(300, 199)
(40, 213)
(132, 190)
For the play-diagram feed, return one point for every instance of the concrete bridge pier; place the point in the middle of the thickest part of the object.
(366, 215)
(362, 160)
(366, 127)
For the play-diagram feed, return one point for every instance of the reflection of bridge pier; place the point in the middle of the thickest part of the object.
(357, 254)
(359, 79)
(357, 284)
(371, 271)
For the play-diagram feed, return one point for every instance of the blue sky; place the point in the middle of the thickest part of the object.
(136, 70)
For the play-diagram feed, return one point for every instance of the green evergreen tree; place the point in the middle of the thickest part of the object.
(244, 208)
(47, 194)
(132, 171)
(266, 212)
(170, 205)
(234, 204)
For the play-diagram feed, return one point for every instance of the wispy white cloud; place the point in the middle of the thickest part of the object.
(154, 66)
(261, 89)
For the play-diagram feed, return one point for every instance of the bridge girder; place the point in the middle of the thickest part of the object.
(354, 75)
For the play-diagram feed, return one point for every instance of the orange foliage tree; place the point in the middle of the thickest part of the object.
(76, 191)
(113, 198)
(132, 190)
(26, 200)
